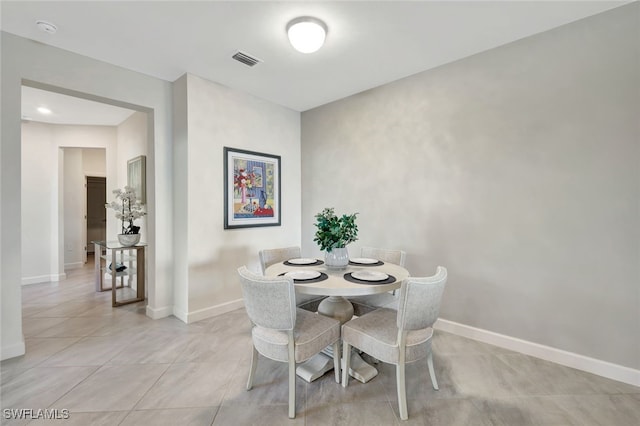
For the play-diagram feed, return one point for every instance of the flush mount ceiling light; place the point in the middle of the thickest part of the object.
(306, 34)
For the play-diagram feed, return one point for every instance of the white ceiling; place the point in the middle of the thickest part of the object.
(368, 43)
(69, 109)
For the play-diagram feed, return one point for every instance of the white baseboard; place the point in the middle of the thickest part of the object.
(43, 279)
(36, 280)
(12, 351)
(213, 311)
(75, 265)
(181, 315)
(159, 312)
(559, 356)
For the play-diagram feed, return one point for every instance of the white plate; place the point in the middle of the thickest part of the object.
(302, 261)
(369, 275)
(364, 260)
(303, 274)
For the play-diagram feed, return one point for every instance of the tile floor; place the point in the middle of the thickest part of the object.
(115, 366)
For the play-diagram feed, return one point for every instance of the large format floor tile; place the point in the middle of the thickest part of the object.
(113, 388)
(38, 350)
(507, 411)
(105, 418)
(188, 385)
(40, 387)
(171, 417)
(270, 386)
(370, 413)
(89, 351)
(603, 410)
(268, 415)
(115, 366)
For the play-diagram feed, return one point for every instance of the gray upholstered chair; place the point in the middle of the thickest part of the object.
(268, 257)
(281, 331)
(397, 257)
(364, 304)
(402, 336)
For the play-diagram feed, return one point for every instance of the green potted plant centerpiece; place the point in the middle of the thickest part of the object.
(128, 208)
(333, 235)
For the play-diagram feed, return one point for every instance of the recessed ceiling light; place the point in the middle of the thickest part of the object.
(306, 34)
(44, 110)
(47, 27)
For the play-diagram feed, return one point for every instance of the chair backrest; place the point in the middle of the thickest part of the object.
(270, 302)
(419, 302)
(386, 255)
(270, 256)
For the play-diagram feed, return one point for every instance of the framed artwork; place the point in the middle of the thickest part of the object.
(251, 189)
(136, 176)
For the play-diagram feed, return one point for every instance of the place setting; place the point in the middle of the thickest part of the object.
(365, 261)
(303, 261)
(305, 276)
(369, 277)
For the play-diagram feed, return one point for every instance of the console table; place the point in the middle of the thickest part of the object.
(110, 253)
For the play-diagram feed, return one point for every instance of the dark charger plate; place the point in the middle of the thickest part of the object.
(349, 278)
(378, 263)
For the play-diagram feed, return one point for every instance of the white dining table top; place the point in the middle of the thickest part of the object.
(336, 284)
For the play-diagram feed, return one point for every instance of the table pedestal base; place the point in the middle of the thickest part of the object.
(341, 309)
(336, 307)
(315, 367)
(319, 364)
(359, 369)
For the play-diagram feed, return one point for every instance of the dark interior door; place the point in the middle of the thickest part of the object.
(96, 212)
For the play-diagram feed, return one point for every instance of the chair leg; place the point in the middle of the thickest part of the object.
(252, 369)
(432, 372)
(346, 356)
(402, 393)
(336, 359)
(292, 379)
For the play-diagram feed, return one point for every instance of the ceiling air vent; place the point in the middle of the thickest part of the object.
(245, 58)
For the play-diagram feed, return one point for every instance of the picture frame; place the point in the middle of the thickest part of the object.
(137, 176)
(251, 189)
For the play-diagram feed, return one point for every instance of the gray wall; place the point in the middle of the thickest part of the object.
(517, 169)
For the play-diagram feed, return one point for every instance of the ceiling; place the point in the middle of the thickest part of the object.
(368, 43)
(69, 109)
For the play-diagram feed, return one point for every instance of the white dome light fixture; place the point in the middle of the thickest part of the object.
(306, 34)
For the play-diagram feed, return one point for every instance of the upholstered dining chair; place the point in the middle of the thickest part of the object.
(282, 332)
(397, 257)
(364, 304)
(268, 257)
(402, 336)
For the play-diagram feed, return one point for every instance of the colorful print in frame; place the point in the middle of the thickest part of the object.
(251, 189)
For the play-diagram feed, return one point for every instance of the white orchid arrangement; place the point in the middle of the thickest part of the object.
(128, 208)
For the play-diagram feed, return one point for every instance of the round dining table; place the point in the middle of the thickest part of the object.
(338, 285)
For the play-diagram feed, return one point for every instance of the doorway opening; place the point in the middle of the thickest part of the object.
(81, 146)
(96, 216)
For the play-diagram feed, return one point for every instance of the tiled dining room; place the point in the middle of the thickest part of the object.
(118, 367)
(320, 213)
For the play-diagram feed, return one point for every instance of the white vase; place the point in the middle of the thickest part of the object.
(129, 240)
(337, 258)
